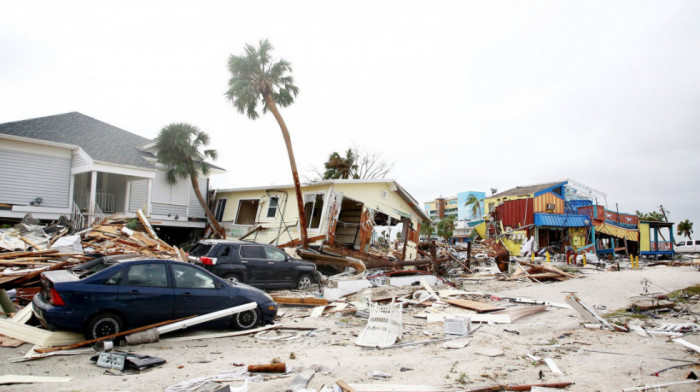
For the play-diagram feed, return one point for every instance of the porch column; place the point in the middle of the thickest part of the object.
(149, 192)
(93, 196)
(127, 195)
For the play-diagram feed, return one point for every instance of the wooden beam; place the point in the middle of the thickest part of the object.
(303, 301)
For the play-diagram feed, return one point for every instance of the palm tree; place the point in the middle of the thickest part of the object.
(427, 229)
(255, 79)
(474, 201)
(685, 228)
(446, 227)
(178, 147)
(339, 167)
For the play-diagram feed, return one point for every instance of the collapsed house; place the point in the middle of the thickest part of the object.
(341, 214)
(76, 166)
(564, 216)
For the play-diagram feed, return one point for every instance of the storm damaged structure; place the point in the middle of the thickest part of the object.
(565, 216)
(340, 215)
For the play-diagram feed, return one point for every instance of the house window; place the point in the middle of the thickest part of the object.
(247, 211)
(219, 210)
(313, 206)
(384, 194)
(272, 208)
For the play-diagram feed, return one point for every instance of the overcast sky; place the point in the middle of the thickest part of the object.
(457, 95)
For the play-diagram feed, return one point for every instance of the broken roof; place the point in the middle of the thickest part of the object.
(527, 189)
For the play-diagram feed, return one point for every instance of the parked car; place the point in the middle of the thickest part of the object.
(688, 246)
(259, 265)
(131, 294)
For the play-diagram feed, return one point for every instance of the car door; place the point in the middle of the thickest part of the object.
(282, 270)
(260, 270)
(146, 294)
(196, 292)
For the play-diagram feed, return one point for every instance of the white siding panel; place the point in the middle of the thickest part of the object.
(165, 209)
(196, 210)
(26, 176)
(78, 159)
(139, 193)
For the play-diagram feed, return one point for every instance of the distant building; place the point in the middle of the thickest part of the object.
(455, 206)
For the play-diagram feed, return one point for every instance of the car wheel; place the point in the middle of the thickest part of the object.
(104, 324)
(247, 319)
(233, 278)
(304, 282)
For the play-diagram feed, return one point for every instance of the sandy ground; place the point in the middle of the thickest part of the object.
(556, 333)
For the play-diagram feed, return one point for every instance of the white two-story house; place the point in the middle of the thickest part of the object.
(74, 165)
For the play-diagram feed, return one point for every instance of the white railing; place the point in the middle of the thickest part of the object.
(99, 215)
(105, 201)
(77, 217)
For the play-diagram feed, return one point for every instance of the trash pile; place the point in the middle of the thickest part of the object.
(28, 249)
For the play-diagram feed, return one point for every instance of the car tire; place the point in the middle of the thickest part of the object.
(232, 277)
(247, 319)
(304, 282)
(104, 324)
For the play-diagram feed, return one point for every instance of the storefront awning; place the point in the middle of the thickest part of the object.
(619, 232)
(561, 220)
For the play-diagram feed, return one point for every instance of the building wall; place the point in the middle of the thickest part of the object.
(515, 213)
(541, 202)
(30, 171)
(492, 202)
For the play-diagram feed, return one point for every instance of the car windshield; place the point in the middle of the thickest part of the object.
(200, 250)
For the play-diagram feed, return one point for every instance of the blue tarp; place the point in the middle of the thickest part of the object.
(561, 220)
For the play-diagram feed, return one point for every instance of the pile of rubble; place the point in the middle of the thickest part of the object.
(28, 249)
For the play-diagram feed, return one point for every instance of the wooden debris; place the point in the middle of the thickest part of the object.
(268, 368)
(34, 335)
(479, 307)
(19, 379)
(302, 301)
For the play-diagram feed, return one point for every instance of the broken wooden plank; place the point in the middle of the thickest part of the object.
(479, 307)
(507, 316)
(19, 379)
(34, 335)
(83, 342)
(687, 344)
(146, 224)
(10, 255)
(30, 243)
(302, 301)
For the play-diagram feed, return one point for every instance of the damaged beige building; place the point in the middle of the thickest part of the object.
(340, 214)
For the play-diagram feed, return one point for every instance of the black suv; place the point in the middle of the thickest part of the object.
(259, 265)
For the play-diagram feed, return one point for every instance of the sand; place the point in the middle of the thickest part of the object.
(492, 355)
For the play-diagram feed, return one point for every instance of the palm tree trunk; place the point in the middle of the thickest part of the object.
(219, 230)
(292, 162)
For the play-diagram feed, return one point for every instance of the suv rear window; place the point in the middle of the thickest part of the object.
(200, 250)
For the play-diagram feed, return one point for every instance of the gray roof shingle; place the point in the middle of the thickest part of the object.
(103, 142)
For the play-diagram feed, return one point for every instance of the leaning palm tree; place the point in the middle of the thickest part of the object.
(256, 79)
(178, 147)
(474, 201)
(685, 228)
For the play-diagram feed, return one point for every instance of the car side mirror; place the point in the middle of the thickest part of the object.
(218, 285)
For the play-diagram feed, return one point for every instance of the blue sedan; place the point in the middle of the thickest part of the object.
(133, 294)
